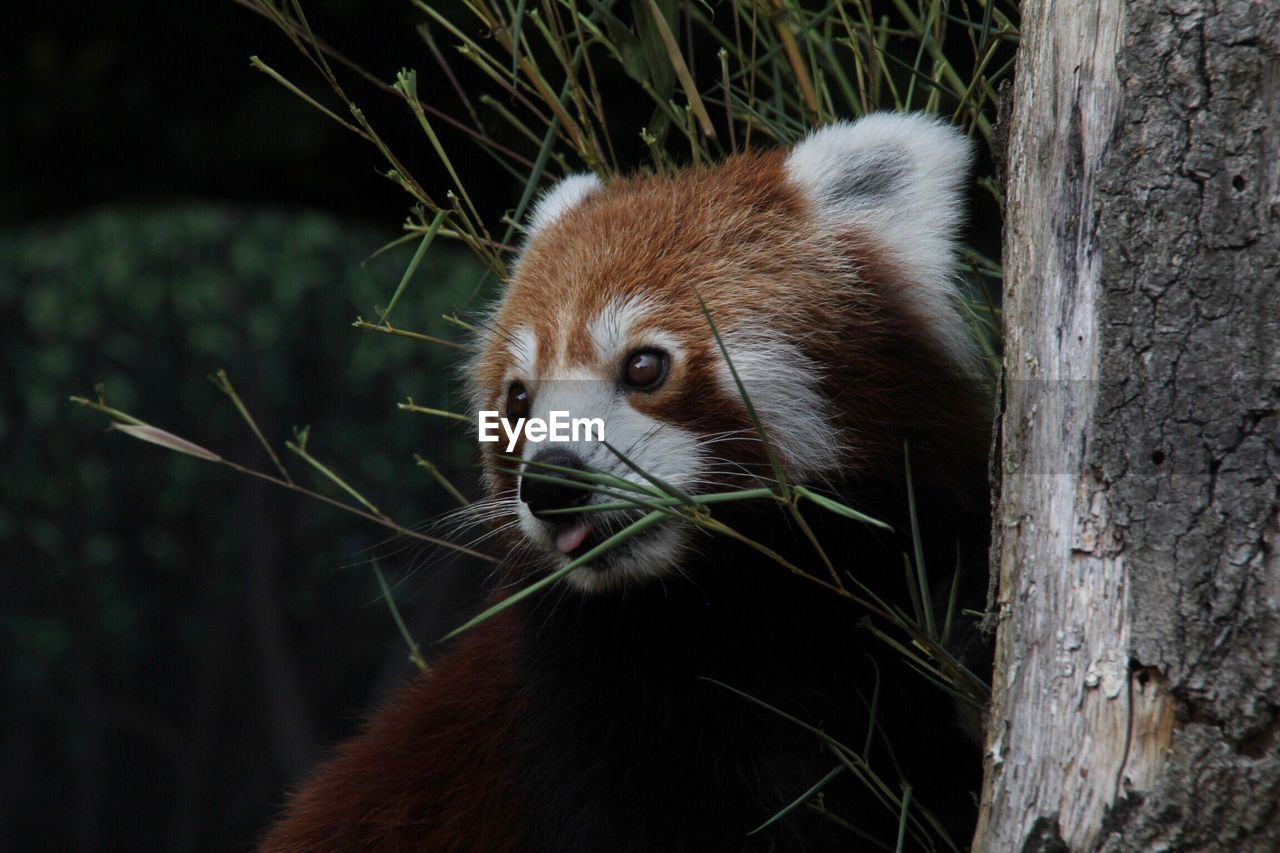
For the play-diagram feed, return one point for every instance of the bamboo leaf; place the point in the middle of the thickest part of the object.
(418, 254)
(155, 435)
(917, 544)
(839, 508)
(415, 653)
(676, 58)
(778, 472)
(609, 544)
(800, 800)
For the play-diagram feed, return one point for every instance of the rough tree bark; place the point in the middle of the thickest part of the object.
(1137, 689)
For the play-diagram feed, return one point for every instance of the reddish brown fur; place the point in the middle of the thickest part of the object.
(741, 237)
(690, 226)
(436, 769)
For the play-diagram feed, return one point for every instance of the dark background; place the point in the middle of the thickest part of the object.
(179, 643)
(147, 102)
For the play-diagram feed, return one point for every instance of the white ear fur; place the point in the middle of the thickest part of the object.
(898, 177)
(566, 194)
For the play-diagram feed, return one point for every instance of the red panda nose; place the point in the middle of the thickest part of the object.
(542, 495)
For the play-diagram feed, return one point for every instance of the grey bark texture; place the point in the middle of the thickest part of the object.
(1137, 535)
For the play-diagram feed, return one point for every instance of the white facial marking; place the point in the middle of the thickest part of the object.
(782, 384)
(666, 451)
(610, 330)
(898, 177)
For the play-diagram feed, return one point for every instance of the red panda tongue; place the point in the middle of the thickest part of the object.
(571, 537)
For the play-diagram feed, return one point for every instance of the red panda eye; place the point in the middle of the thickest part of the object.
(517, 402)
(645, 369)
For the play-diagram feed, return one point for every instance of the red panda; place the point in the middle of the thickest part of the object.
(598, 716)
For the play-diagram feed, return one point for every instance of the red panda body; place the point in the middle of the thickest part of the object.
(675, 694)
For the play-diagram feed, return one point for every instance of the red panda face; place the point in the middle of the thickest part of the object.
(792, 254)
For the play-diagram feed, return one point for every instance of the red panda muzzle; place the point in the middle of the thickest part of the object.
(543, 495)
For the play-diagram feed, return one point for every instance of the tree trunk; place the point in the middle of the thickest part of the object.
(1137, 689)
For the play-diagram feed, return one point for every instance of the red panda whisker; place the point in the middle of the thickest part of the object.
(643, 440)
(728, 434)
(471, 517)
(494, 533)
(473, 511)
(491, 324)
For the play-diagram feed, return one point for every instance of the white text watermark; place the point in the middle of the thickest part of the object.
(558, 427)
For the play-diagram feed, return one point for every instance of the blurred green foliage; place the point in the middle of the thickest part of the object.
(150, 602)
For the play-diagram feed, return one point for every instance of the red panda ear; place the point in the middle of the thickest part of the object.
(555, 201)
(898, 178)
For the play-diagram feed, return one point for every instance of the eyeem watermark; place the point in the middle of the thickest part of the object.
(560, 427)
